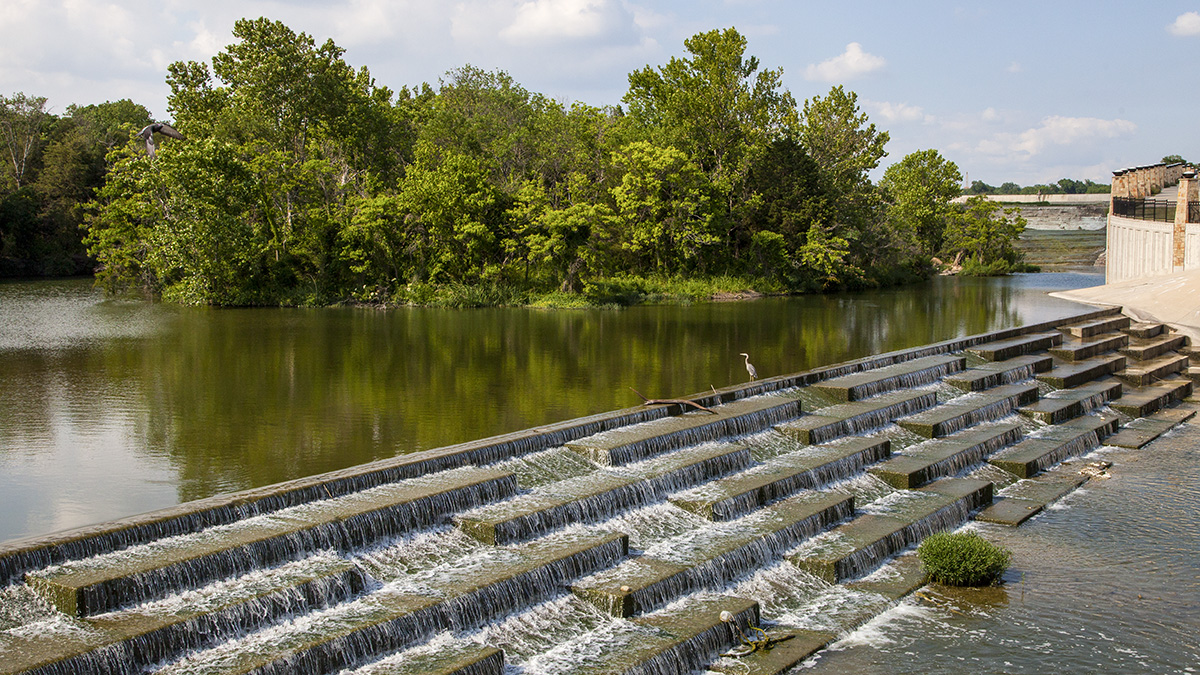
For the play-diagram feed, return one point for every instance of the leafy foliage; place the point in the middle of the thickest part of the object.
(301, 181)
(963, 559)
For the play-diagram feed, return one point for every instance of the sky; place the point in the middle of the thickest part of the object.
(1019, 91)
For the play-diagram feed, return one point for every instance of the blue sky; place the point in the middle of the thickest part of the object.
(1022, 91)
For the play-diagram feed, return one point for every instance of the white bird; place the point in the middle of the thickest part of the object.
(147, 134)
(750, 367)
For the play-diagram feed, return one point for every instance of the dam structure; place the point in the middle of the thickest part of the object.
(644, 540)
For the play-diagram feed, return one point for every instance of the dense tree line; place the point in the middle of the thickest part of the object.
(1064, 186)
(52, 165)
(302, 181)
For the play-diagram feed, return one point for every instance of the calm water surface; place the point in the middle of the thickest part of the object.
(110, 407)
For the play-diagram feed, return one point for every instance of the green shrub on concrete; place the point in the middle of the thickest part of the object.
(963, 559)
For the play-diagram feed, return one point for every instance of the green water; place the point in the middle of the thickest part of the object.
(112, 407)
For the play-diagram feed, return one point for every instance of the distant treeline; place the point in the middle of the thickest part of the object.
(302, 181)
(1065, 186)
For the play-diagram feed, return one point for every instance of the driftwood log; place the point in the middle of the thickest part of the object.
(680, 401)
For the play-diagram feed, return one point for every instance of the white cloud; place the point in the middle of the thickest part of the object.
(1186, 25)
(852, 63)
(553, 20)
(990, 115)
(1066, 131)
(898, 112)
(1015, 67)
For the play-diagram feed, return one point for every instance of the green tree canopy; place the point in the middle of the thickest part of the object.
(918, 190)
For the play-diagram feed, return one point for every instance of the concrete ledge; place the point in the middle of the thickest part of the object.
(599, 495)
(1087, 348)
(1038, 453)
(1142, 373)
(889, 378)
(1087, 329)
(969, 410)
(1140, 432)
(468, 659)
(647, 582)
(1065, 404)
(845, 419)
(853, 549)
(124, 643)
(996, 373)
(944, 457)
(345, 523)
(1027, 498)
(1151, 347)
(1143, 401)
(635, 443)
(1074, 374)
(781, 477)
(1001, 350)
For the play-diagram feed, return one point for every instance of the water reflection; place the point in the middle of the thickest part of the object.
(115, 407)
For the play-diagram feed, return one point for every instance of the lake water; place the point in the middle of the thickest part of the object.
(113, 407)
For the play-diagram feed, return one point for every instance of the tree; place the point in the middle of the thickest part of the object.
(918, 190)
(21, 119)
(846, 147)
(663, 208)
(984, 232)
(1174, 159)
(718, 108)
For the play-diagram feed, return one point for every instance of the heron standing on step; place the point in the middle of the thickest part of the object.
(750, 367)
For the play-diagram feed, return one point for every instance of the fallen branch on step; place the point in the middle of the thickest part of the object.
(680, 401)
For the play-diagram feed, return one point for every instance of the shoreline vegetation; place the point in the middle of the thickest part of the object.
(302, 182)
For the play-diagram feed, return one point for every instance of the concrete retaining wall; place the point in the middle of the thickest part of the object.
(1138, 248)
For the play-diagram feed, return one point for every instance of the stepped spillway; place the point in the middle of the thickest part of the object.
(612, 543)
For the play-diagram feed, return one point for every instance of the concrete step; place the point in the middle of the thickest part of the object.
(398, 616)
(1192, 352)
(845, 419)
(680, 639)
(1028, 497)
(1142, 373)
(935, 459)
(600, 495)
(782, 476)
(969, 410)
(1140, 432)
(696, 561)
(1146, 330)
(1094, 327)
(640, 441)
(151, 571)
(1071, 375)
(1065, 404)
(167, 631)
(1002, 350)
(1142, 401)
(1149, 348)
(859, 546)
(902, 577)
(996, 373)
(1193, 373)
(904, 375)
(456, 659)
(1080, 349)
(1054, 444)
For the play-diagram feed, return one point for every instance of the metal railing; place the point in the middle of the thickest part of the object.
(1193, 212)
(1162, 210)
